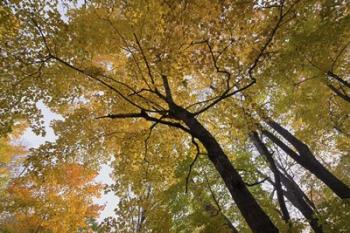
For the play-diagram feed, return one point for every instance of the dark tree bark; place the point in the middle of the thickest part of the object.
(339, 79)
(341, 92)
(260, 146)
(255, 216)
(288, 181)
(293, 192)
(299, 199)
(305, 158)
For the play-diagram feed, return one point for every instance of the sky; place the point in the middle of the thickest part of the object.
(30, 140)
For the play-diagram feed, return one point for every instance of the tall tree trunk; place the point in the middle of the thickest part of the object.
(341, 93)
(142, 214)
(306, 159)
(299, 199)
(293, 192)
(288, 182)
(339, 79)
(141, 220)
(255, 216)
(260, 146)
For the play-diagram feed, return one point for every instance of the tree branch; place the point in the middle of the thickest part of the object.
(41, 34)
(145, 59)
(225, 95)
(338, 55)
(92, 77)
(336, 77)
(122, 116)
(193, 162)
(257, 182)
(145, 116)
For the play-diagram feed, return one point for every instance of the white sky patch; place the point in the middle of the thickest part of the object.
(63, 10)
(30, 140)
(109, 200)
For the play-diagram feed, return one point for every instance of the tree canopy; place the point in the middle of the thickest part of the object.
(216, 116)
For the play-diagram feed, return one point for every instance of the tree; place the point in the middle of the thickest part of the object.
(293, 193)
(307, 160)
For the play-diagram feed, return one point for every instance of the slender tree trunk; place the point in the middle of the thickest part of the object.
(339, 79)
(142, 215)
(141, 220)
(288, 181)
(306, 159)
(299, 200)
(297, 197)
(293, 193)
(341, 93)
(265, 152)
(255, 216)
(329, 179)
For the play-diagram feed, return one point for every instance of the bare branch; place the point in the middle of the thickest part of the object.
(336, 77)
(228, 92)
(41, 34)
(128, 50)
(193, 162)
(145, 59)
(212, 193)
(122, 116)
(218, 69)
(145, 116)
(98, 80)
(338, 55)
(267, 43)
(257, 182)
(225, 95)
